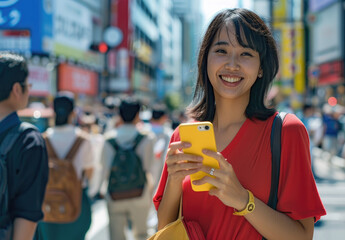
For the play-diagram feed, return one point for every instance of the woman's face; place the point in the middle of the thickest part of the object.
(231, 68)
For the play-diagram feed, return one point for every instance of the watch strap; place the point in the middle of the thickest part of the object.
(249, 207)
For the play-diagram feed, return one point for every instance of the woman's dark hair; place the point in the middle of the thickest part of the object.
(251, 32)
(63, 107)
(13, 68)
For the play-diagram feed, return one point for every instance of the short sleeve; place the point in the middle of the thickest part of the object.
(298, 196)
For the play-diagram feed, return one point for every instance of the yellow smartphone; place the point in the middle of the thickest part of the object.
(201, 136)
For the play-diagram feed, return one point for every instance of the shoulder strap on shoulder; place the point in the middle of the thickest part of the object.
(74, 149)
(138, 139)
(275, 152)
(50, 149)
(113, 143)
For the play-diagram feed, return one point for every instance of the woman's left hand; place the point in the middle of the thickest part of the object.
(227, 186)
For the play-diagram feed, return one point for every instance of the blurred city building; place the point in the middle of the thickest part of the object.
(310, 38)
(97, 48)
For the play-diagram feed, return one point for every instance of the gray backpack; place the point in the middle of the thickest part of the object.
(5, 147)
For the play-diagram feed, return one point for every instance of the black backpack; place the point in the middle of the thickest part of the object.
(127, 176)
(5, 147)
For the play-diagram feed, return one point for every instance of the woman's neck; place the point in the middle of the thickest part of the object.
(229, 112)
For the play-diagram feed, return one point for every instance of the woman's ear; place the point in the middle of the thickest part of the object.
(260, 74)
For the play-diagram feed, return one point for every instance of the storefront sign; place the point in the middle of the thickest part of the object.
(331, 73)
(15, 40)
(33, 16)
(316, 5)
(77, 80)
(40, 78)
(327, 35)
(72, 24)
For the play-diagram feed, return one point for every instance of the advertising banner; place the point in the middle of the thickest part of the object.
(33, 16)
(299, 63)
(77, 80)
(40, 78)
(327, 35)
(316, 5)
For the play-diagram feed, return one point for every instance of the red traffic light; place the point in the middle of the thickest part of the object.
(103, 47)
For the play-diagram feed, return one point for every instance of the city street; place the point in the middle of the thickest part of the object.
(331, 189)
(332, 192)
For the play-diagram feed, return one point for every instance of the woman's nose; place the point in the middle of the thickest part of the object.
(232, 63)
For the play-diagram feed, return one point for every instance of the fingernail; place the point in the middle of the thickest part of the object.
(187, 144)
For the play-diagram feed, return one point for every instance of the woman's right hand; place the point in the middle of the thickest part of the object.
(179, 164)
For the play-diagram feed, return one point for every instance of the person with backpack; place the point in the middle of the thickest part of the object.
(23, 156)
(127, 157)
(66, 206)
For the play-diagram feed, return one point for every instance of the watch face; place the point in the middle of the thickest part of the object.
(250, 207)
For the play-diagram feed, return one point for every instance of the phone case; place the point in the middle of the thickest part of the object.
(201, 136)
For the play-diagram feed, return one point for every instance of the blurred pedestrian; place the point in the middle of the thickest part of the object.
(237, 62)
(163, 133)
(24, 169)
(89, 124)
(61, 138)
(313, 124)
(127, 212)
(331, 127)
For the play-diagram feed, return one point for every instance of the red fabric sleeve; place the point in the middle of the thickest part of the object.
(298, 196)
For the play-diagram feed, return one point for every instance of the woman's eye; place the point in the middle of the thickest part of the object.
(220, 51)
(247, 54)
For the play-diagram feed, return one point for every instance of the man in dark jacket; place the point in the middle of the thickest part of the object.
(26, 163)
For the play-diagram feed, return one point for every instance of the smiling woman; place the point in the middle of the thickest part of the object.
(237, 63)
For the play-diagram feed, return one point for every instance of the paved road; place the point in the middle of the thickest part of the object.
(331, 189)
(332, 192)
(99, 225)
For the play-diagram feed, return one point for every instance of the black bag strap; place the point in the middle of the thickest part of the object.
(135, 143)
(275, 152)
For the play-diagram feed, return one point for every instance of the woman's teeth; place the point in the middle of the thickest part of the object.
(231, 79)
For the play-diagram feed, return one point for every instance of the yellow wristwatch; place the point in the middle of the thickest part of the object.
(250, 206)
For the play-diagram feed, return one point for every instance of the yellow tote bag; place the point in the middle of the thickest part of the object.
(173, 231)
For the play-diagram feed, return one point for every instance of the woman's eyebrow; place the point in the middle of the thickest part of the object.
(221, 43)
